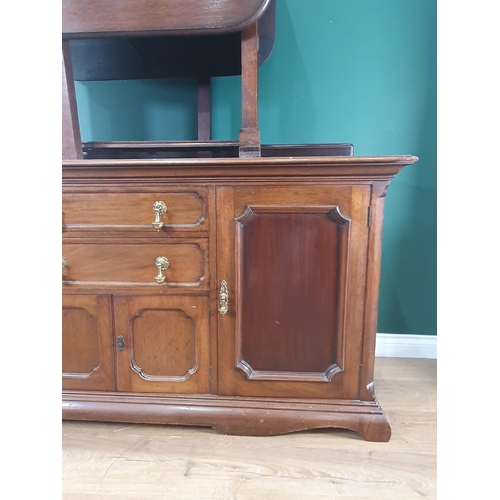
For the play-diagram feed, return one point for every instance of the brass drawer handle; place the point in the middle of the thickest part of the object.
(223, 298)
(159, 208)
(64, 264)
(161, 263)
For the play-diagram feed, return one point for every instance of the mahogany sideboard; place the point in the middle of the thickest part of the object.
(239, 294)
(229, 285)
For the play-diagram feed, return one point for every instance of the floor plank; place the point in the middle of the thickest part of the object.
(104, 461)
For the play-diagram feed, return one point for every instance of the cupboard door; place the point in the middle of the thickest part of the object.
(162, 344)
(294, 260)
(87, 350)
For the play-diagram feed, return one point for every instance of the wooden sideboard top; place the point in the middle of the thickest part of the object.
(239, 168)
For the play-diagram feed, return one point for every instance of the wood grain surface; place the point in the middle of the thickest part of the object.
(108, 262)
(104, 461)
(112, 17)
(130, 208)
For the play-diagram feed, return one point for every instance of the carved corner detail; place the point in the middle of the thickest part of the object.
(160, 378)
(337, 216)
(252, 374)
(380, 189)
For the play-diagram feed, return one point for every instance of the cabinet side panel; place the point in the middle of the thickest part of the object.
(367, 390)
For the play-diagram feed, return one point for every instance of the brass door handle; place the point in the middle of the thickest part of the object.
(223, 298)
(161, 263)
(64, 264)
(159, 208)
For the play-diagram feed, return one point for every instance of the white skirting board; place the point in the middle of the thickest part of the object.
(391, 345)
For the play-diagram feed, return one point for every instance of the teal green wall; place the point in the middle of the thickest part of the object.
(357, 71)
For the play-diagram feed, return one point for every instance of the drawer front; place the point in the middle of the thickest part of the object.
(134, 211)
(96, 262)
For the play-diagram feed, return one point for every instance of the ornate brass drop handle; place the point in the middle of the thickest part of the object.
(223, 298)
(159, 208)
(64, 263)
(161, 263)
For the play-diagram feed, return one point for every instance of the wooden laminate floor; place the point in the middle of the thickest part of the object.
(104, 461)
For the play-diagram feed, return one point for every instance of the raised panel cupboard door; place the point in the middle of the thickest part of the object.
(87, 343)
(162, 344)
(294, 260)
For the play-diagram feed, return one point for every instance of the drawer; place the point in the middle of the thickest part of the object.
(128, 263)
(111, 210)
